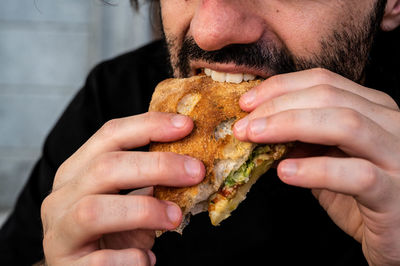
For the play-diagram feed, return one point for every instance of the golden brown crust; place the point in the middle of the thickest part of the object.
(221, 102)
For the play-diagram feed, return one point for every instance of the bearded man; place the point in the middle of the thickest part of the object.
(329, 68)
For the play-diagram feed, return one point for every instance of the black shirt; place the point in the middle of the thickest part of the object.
(276, 225)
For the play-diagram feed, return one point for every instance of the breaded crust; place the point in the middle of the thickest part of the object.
(208, 103)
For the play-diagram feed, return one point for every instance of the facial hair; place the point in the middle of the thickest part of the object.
(344, 51)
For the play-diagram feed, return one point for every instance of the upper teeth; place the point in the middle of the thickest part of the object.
(228, 77)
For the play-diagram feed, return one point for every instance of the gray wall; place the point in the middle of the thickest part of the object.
(47, 48)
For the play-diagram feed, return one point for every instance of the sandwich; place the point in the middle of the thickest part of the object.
(232, 166)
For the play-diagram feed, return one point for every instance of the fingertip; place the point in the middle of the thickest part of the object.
(194, 168)
(256, 129)
(181, 121)
(279, 169)
(174, 214)
(152, 257)
(245, 106)
(239, 135)
(240, 128)
(202, 173)
(247, 101)
(287, 169)
(173, 127)
(182, 124)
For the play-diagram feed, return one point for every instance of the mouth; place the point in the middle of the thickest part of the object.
(228, 73)
(228, 77)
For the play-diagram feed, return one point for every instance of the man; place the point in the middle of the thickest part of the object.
(350, 156)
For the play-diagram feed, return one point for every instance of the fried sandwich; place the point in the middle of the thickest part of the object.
(232, 166)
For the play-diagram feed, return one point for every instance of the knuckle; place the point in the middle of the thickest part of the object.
(291, 117)
(322, 75)
(44, 209)
(103, 166)
(145, 208)
(109, 128)
(44, 215)
(276, 81)
(140, 258)
(47, 242)
(101, 258)
(351, 122)
(368, 176)
(49, 211)
(388, 101)
(45, 206)
(270, 107)
(327, 94)
(324, 172)
(149, 117)
(60, 173)
(151, 114)
(137, 163)
(158, 159)
(87, 212)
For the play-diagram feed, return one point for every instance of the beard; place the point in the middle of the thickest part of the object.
(344, 51)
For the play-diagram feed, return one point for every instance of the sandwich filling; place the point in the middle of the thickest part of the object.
(236, 185)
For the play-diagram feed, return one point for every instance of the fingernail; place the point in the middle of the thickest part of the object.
(178, 121)
(258, 126)
(240, 126)
(173, 212)
(249, 97)
(289, 169)
(152, 257)
(192, 167)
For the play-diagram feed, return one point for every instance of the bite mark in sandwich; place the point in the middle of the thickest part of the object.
(238, 183)
(232, 166)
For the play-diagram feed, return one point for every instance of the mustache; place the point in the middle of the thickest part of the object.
(261, 55)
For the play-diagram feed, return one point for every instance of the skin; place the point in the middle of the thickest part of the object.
(357, 181)
(85, 222)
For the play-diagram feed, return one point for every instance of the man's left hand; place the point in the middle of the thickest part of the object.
(357, 179)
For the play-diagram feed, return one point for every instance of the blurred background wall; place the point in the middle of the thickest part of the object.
(47, 48)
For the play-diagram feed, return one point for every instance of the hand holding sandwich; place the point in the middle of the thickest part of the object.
(86, 221)
(357, 180)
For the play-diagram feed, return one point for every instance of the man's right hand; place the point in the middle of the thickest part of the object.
(86, 221)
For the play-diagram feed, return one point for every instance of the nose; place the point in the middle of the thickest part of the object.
(218, 23)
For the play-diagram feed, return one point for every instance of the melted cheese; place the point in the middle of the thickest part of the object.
(221, 207)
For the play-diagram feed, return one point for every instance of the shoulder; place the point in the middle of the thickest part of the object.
(151, 57)
(124, 84)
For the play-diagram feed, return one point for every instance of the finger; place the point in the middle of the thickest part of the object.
(138, 238)
(115, 171)
(285, 83)
(108, 257)
(352, 132)
(323, 96)
(124, 134)
(96, 215)
(356, 177)
(131, 132)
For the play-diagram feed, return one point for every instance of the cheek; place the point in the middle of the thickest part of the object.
(301, 25)
(301, 31)
(176, 17)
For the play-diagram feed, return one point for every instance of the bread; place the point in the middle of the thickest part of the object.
(214, 108)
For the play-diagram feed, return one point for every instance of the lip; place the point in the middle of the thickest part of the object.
(227, 68)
